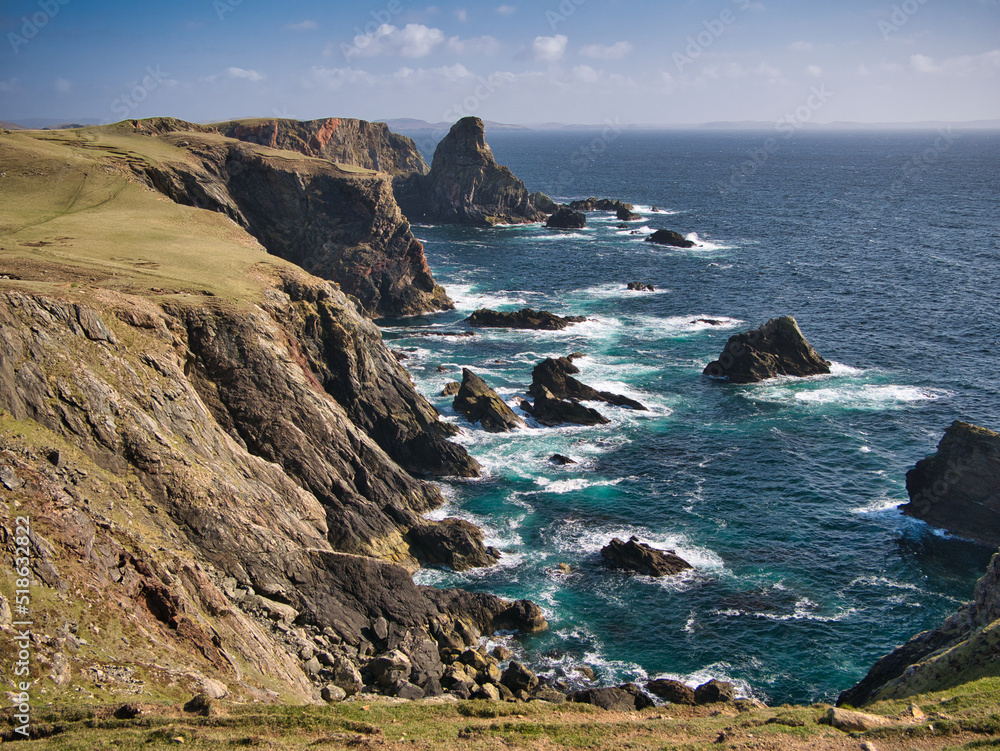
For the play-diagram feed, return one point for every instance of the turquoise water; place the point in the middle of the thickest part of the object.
(783, 494)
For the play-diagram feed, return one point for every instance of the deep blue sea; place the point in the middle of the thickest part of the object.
(885, 246)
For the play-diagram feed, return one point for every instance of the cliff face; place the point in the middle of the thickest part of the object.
(342, 140)
(962, 649)
(466, 185)
(958, 487)
(209, 446)
(316, 202)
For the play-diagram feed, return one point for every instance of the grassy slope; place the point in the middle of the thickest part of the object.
(72, 225)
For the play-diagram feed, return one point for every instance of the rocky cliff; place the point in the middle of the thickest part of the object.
(958, 487)
(310, 199)
(465, 184)
(206, 448)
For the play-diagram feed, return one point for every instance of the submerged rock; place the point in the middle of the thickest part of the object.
(526, 318)
(600, 204)
(958, 488)
(641, 558)
(669, 237)
(776, 348)
(566, 218)
(479, 403)
(641, 287)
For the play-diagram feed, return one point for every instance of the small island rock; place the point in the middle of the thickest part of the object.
(641, 558)
(776, 348)
(669, 237)
(526, 318)
(479, 403)
(566, 218)
(550, 411)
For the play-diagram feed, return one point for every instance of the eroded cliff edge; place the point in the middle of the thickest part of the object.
(209, 446)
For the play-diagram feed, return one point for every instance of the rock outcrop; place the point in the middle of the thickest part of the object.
(565, 218)
(640, 287)
(958, 488)
(465, 184)
(556, 375)
(627, 215)
(643, 559)
(669, 237)
(339, 224)
(776, 348)
(526, 318)
(479, 403)
(600, 204)
(551, 411)
(962, 649)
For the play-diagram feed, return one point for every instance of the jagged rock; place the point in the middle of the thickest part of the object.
(543, 203)
(465, 185)
(958, 651)
(636, 556)
(345, 675)
(451, 542)
(715, 692)
(669, 237)
(854, 722)
(479, 403)
(518, 678)
(451, 388)
(600, 204)
(549, 694)
(526, 318)
(561, 460)
(487, 691)
(612, 699)
(776, 348)
(551, 411)
(641, 698)
(958, 488)
(405, 690)
(626, 215)
(641, 287)
(565, 218)
(390, 667)
(556, 374)
(674, 692)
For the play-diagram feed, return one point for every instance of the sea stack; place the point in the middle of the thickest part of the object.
(958, 488)
(776, 348)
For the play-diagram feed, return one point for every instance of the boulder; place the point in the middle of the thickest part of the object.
(674, 692)
(550, 411)
(455, 543)
(640, 287)
(549, 694)
(332, 693)
(479, 403)
(854, 722)
(561, 460)
(543, 203)
(526, 318)
(715, 692)
(613, 699)
(556, 374)
(465, 184)
(625, 215)
(958, 487)
(451, 388)
(389, 668)
(636, 556)
(669, 237)
(518, 678)
(776, 348)
(566, 218)
(346, 675)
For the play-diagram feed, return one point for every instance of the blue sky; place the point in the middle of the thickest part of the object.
(572, 61)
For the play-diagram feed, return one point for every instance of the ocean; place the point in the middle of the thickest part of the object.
(784, 495)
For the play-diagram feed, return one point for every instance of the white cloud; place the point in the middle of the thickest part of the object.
(614, 52)
(814, 70)
(413, 40)
(63, 85)
(333, 79)
(862, 70)
(9, 85)
(549, 49)
(484, 45)
(249, 75)
(586, 74)
(307, 25)
(768, 71)
(506, 10)
(956, 66)
(800, 46)
(462, 15)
